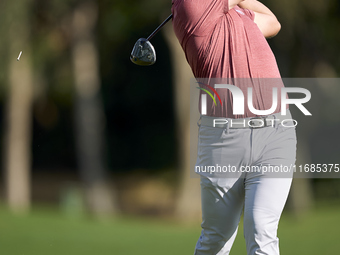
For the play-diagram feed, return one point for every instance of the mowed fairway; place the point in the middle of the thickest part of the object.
(49, 233)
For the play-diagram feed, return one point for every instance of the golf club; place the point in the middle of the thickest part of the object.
(143, 53)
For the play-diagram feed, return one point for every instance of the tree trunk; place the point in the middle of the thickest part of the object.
(300, 197)
(189, 200)
(17, 130)
(89, 112)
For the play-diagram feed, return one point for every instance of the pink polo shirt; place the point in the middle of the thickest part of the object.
(223, 43)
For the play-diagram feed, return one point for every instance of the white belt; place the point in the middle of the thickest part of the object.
(252, 122)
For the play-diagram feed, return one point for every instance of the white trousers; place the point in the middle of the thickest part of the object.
(262, 195)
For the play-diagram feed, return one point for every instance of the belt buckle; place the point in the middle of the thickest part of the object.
(252, 125)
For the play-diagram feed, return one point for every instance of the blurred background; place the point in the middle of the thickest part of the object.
(95, 151)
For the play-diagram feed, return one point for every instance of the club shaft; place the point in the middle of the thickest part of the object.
(159, 27)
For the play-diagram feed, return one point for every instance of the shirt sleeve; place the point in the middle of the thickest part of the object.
(197, 16)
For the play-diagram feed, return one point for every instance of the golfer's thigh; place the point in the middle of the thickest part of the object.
(221, 206)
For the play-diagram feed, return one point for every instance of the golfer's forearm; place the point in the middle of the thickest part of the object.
(255, 6)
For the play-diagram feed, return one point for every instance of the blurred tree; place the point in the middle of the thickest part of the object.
(89, 113)
(189, 199)
(17, 132)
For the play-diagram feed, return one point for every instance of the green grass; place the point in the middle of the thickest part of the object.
(46, 232)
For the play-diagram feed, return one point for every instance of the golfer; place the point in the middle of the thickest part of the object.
(225, 39)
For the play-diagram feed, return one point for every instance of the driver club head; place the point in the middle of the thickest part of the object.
(143, 53)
